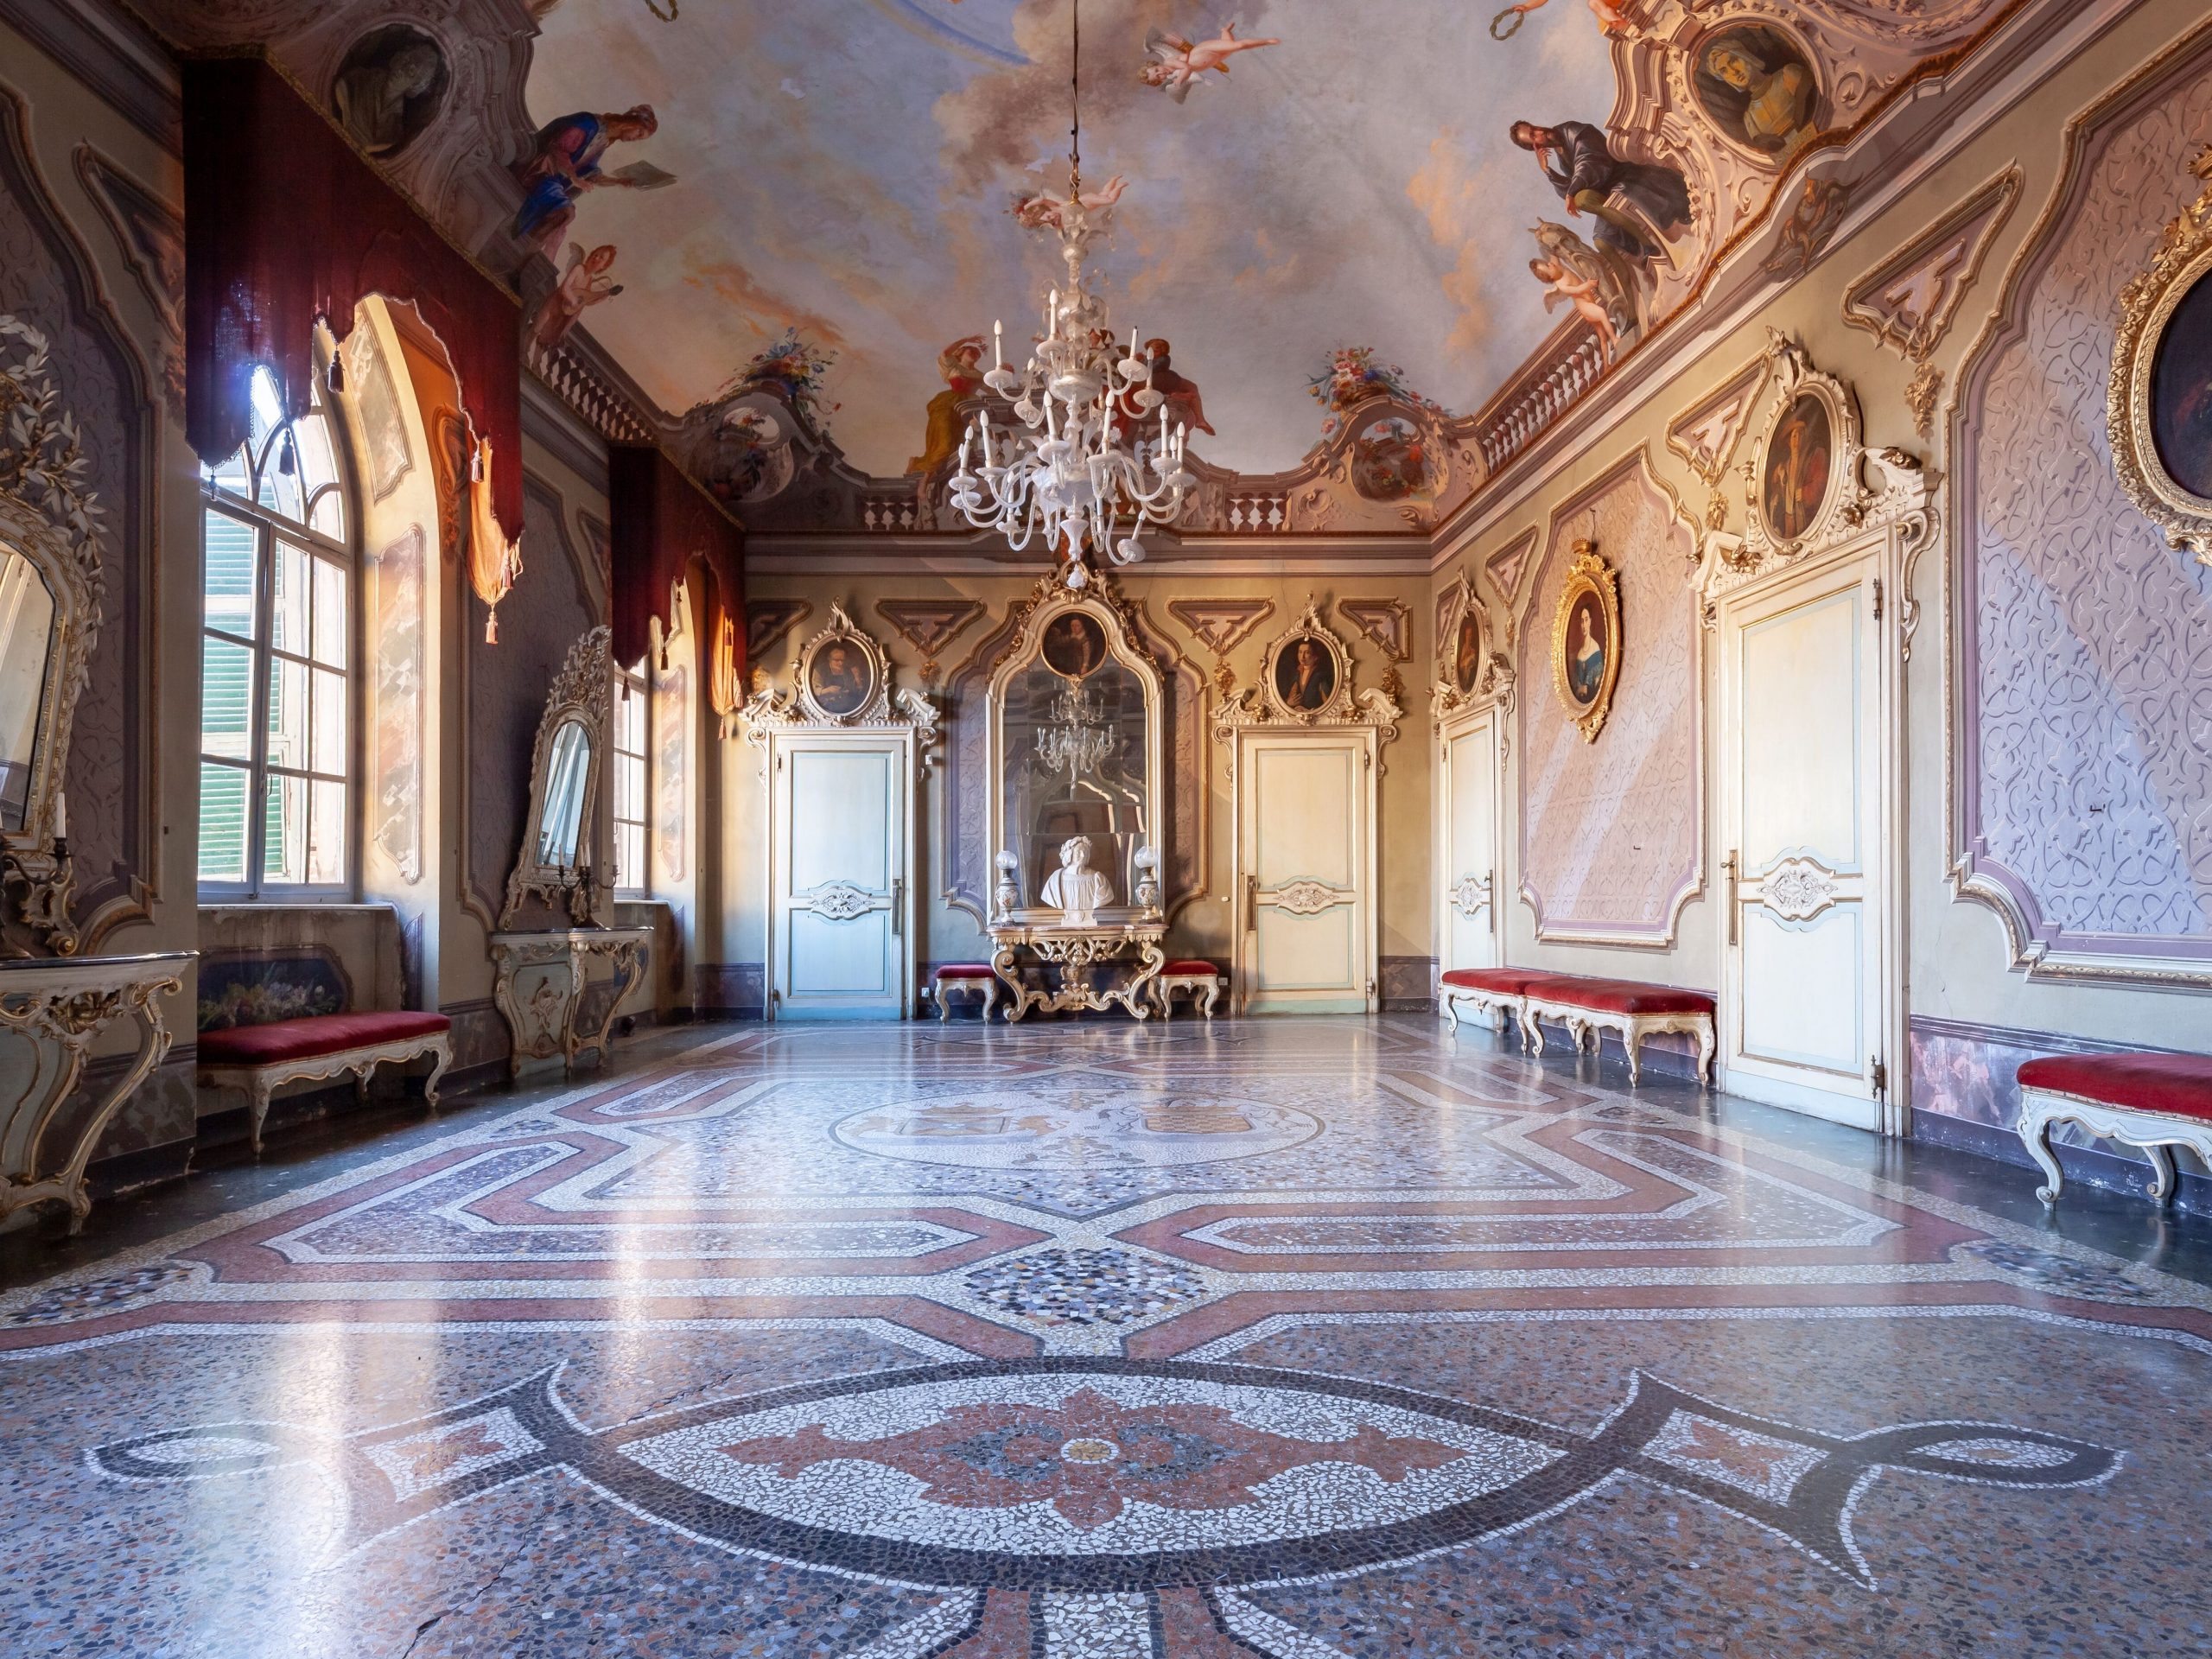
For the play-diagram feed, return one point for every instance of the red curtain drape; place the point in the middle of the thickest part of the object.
(663, 521)
(284, 224)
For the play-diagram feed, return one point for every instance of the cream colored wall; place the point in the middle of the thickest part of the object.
(1959, 957)
(1202, 928)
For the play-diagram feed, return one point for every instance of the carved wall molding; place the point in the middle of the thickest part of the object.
(1908, 300)
(2077, 634)
(150, 234)
(929, 626)
(1382, 620)
(883, 706)
(1345, 705)
(1798, 889)
(1706, 434)
(768, 620)
(1613, 833)
(1220, 625)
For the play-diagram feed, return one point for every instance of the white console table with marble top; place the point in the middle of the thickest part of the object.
(1075, 949)
(539, 985)
(52, 1010)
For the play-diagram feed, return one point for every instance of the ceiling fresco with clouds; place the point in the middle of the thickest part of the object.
(846, 169)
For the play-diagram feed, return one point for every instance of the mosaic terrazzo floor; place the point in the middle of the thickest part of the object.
(1309, 1339)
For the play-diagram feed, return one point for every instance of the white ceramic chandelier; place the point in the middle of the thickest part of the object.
(1085, 467)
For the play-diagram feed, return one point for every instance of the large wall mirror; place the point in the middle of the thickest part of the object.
(49, 619)
(1075, 731)
(557, 863)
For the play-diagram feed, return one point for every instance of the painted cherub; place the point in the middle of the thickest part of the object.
(1044, 209)
(582, 285)
(1610, 19)
(1177, 64)
(1582, 293)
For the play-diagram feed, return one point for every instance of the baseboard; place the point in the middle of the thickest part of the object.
(134, 1171)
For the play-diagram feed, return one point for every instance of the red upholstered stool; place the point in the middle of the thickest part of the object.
(1587, 1007)
(262, 1059)
(2150, 1101)
(1202, 980)
(970, 977)
(1495, 992)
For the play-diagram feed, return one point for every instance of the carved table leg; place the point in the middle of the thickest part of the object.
(441, 1058)
(1019, 996)
(2035, 1135)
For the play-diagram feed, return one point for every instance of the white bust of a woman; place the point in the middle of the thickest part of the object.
(1075, 889)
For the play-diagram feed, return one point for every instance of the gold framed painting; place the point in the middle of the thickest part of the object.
(1799, 474)
(1586, 640)
(2159, 404)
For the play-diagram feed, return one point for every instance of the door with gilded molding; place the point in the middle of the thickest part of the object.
(1305, 871)
(1807, 789)
(1467, 843)
(841, 933)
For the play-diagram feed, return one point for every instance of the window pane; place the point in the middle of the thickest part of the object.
(288, 714)
(328, 753)
(326, 512)
(326, 834)
(222, 822)
(225, 698)
(232, 474)
(329, 612)
(290, 598)
(265, 413)
(629, 787)
(280, 490)
(230, 555)
(318, 465)
(284, 827)
(629, 856)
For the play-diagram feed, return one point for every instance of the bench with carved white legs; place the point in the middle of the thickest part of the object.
(1587, 1007)
(2152, 1102)
(1496, 994)
(976, 978)
(1201, 980)
(260, 1059)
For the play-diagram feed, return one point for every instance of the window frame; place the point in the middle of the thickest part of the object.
(272, 530)
(639, 685)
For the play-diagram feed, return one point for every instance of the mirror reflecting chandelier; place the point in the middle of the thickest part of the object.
(1080, 464)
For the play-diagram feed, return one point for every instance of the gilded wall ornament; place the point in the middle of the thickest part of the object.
(1586, 640)
(2160, 417)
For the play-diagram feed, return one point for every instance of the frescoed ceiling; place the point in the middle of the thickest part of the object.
(845, 168)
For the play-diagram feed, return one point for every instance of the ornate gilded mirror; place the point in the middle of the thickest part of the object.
(556, 864)
(1075, 728)
(50, 591)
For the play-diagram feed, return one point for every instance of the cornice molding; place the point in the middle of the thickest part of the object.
(105, 45)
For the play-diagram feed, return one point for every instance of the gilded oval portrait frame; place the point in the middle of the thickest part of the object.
(2148, 307)
(1588, 579)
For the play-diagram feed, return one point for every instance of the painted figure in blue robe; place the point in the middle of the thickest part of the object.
(565, 161)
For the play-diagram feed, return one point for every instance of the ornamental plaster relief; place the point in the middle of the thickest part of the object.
(1613, 832)
(2083, 679)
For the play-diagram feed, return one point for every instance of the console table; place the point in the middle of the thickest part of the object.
(58, 1007)
(540, 984)
(1075, 949)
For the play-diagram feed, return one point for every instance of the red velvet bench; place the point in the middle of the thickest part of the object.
(1494, 992)
(1202, 980)
(1636, 1011)
(262, 1059)
(2148, 1100)
(965, 976)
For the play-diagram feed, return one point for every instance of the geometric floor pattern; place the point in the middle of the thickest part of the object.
(1305, 1338)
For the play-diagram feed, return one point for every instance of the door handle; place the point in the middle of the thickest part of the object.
(1252, 904)
(898, 905)
(1728, 865)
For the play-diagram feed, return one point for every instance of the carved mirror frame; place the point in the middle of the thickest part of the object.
(59, 541)
(582, 691)
(2147, 305)
(1048, 602)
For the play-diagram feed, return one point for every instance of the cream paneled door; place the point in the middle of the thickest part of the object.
(1467, 843)
(841, 939)
(1305, 871)
(1807, 789)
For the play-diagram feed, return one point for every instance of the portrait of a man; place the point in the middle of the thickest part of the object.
(841, 679)
(1798, 461)
(1306, 675)
(1074, 646)
(2181, 392)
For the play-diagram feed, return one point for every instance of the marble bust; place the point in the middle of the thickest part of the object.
(1076, 889)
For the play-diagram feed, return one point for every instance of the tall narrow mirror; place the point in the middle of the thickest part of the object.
(26, 658)
(560, 831)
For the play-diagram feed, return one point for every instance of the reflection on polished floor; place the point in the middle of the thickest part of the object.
(1302, 1338)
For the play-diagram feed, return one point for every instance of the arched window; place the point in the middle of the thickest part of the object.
(276, 692)
(632, 802)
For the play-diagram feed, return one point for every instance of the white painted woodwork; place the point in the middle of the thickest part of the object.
(1809, 756)
(840, 903)
(1467, 842)
(1304, 871)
